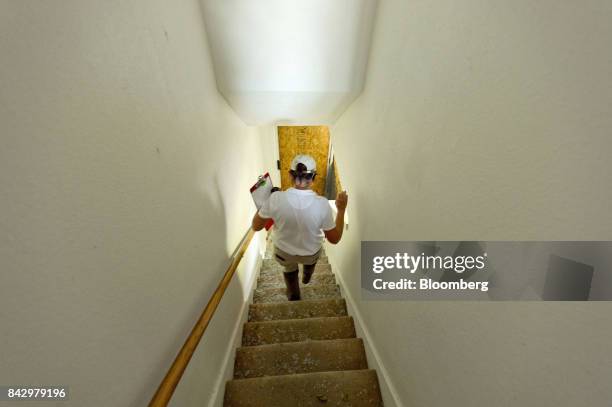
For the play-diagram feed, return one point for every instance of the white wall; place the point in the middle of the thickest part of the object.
(289, 62)
(124, 182)
(483, 120)
(268, 141)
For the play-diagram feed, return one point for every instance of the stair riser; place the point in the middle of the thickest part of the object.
(299, 357)
(334, 307)
(263, 333)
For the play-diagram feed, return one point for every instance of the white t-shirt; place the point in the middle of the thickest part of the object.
(299, 218)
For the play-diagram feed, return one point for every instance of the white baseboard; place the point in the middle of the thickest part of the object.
(387, 389)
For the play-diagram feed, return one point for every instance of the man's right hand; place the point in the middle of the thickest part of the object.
(334, 235)
(341, 201)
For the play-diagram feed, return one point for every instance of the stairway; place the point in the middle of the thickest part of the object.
(300, 353)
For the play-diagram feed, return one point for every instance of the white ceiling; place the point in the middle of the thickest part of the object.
(289, 61)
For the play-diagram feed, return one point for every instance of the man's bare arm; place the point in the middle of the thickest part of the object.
(334, 235)
(258, 222)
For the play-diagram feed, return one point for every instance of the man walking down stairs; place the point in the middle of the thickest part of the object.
(302, 220)
(300, 353)
(299, 346)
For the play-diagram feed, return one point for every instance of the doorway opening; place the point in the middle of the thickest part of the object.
(314, 141)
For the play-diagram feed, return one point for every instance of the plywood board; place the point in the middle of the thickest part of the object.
(311, 140)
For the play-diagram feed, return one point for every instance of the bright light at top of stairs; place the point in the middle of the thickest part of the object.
(287, 62)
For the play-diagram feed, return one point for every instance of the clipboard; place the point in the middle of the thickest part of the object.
(261, 192)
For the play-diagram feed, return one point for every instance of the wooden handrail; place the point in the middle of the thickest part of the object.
(168, 385)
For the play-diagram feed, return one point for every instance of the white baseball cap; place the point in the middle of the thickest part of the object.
(306, 160)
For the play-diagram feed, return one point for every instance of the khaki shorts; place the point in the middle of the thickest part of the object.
(290, 262)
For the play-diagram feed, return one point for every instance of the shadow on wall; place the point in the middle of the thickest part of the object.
(199, 381)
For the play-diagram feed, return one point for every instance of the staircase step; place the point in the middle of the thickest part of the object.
(297, 330)
(299, 357)
(278, 269)
(355, 388)
(276, 279)
(329, 307)
(272, 264)
(307, 292)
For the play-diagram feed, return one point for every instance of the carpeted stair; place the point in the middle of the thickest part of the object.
(300, 353)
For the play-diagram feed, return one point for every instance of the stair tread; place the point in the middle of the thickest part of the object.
(277, 270)
(300, 357)
(356, 388)
(296, 330)
(328, 307)
(308, 292)
(277, 281)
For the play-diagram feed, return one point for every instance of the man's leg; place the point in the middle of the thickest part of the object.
(309, 266)
(291, 273)
(307, 274)
(292, 281)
